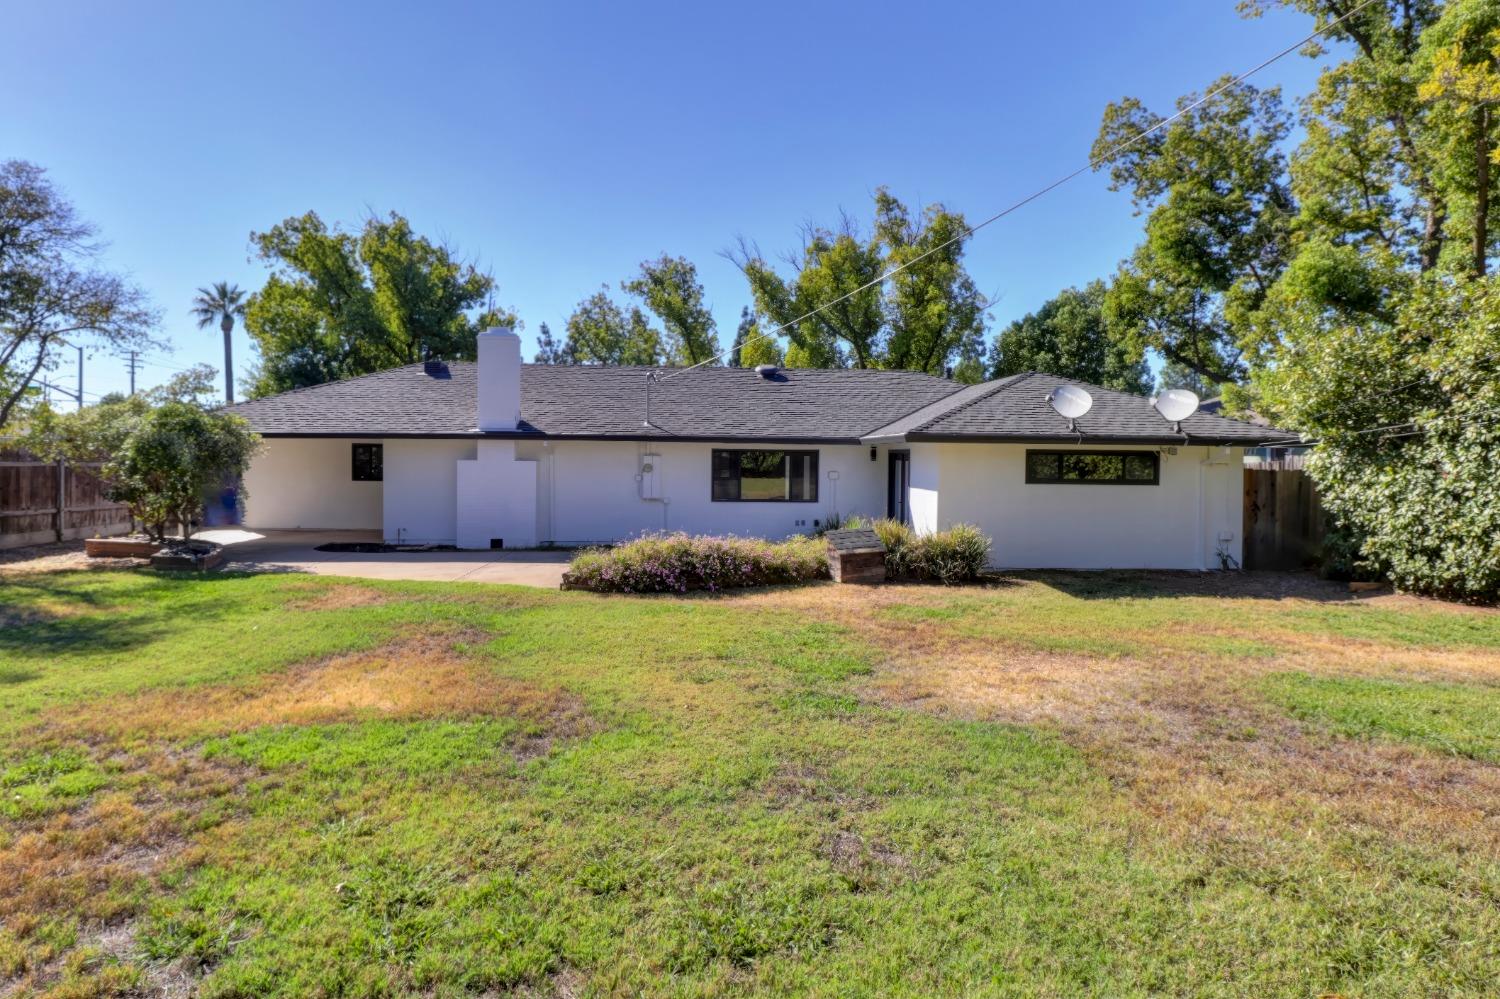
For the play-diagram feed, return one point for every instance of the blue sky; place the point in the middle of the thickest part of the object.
(562, 144)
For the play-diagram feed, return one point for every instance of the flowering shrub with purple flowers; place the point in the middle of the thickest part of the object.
(677, 563)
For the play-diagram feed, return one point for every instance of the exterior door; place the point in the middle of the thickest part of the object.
(898, 485)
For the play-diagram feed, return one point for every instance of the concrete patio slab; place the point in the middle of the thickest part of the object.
(296, 551)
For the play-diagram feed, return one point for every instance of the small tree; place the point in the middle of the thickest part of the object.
(161, 453)
(171, 460)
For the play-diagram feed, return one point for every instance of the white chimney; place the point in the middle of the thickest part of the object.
(499, 379)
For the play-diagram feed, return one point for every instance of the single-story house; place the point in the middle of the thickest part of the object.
(496, 453)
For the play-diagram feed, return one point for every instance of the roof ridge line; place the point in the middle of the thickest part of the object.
(334, 381)
(957, 388)
(1000, 385)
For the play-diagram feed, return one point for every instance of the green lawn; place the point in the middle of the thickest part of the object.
(292, 786)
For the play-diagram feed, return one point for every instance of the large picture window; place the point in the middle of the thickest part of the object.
(765, 476)
(1118, 468)
(369, 462)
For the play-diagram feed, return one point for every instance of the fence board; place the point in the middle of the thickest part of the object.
(43, 501)
(1284, 519)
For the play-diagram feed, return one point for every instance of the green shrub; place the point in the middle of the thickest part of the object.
(957, 555)
(1403, 408)
(677, 563)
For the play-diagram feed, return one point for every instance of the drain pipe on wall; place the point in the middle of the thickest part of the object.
(1202, 517)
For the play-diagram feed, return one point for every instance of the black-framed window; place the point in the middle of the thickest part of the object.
(369, 462)
(765, 476)
(1110, 468)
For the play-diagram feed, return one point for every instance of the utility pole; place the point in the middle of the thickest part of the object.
(132, 365)
(80, 378)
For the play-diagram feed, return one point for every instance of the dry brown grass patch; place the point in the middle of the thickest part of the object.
(93, 867)
(1185, 734)
(342, 597)
(417, 679)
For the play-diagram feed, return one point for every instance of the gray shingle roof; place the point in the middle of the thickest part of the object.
(828, 405)
(1016, 409)
(589, 401)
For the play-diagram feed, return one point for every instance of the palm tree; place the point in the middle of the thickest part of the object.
(222, 302)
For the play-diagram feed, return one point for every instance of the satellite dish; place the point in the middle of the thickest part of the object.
(1176, 405)
(1070, 402)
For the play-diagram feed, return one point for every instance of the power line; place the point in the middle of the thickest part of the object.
(159, 364)
(1086, 168)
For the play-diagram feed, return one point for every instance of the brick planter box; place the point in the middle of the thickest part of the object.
(180, 560)
(120, 548)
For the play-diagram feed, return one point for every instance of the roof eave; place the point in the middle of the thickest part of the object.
(1176, 440)
(476, 435)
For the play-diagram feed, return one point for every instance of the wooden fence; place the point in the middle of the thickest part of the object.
(1284, 519)
(42, 501)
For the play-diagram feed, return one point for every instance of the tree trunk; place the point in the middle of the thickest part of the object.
(1482, 191)
(228, 325)
(1432, 238)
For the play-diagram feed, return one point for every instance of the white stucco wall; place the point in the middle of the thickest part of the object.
(568, 493)
(421, 490)
(590, 492)
(1177, 524)
(496, 497)
(308, 483)
(922, 496)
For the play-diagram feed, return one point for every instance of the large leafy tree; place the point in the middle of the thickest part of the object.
(601, 331)
(899, 297)
(221, 304)
(1460, 60)
(934, 312)
(1365, 172)
(53, 295)
(1403, 410)
(1219, 217)
(340, 304)
(670, 288)
(1068, 336)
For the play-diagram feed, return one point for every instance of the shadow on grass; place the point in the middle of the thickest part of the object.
(1115, 584)
(114, 620)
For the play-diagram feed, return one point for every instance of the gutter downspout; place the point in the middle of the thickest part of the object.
(1202, 515)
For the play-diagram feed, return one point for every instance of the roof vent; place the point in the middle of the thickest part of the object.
(435, 368)
(766, 371)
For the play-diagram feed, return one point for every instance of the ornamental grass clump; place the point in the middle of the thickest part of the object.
(679, 563)
(957, 555)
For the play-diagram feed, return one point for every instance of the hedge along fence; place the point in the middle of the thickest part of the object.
(678, 563)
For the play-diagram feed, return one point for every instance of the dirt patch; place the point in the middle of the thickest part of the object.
(865, 864)
(418, 679)
(66, 556)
